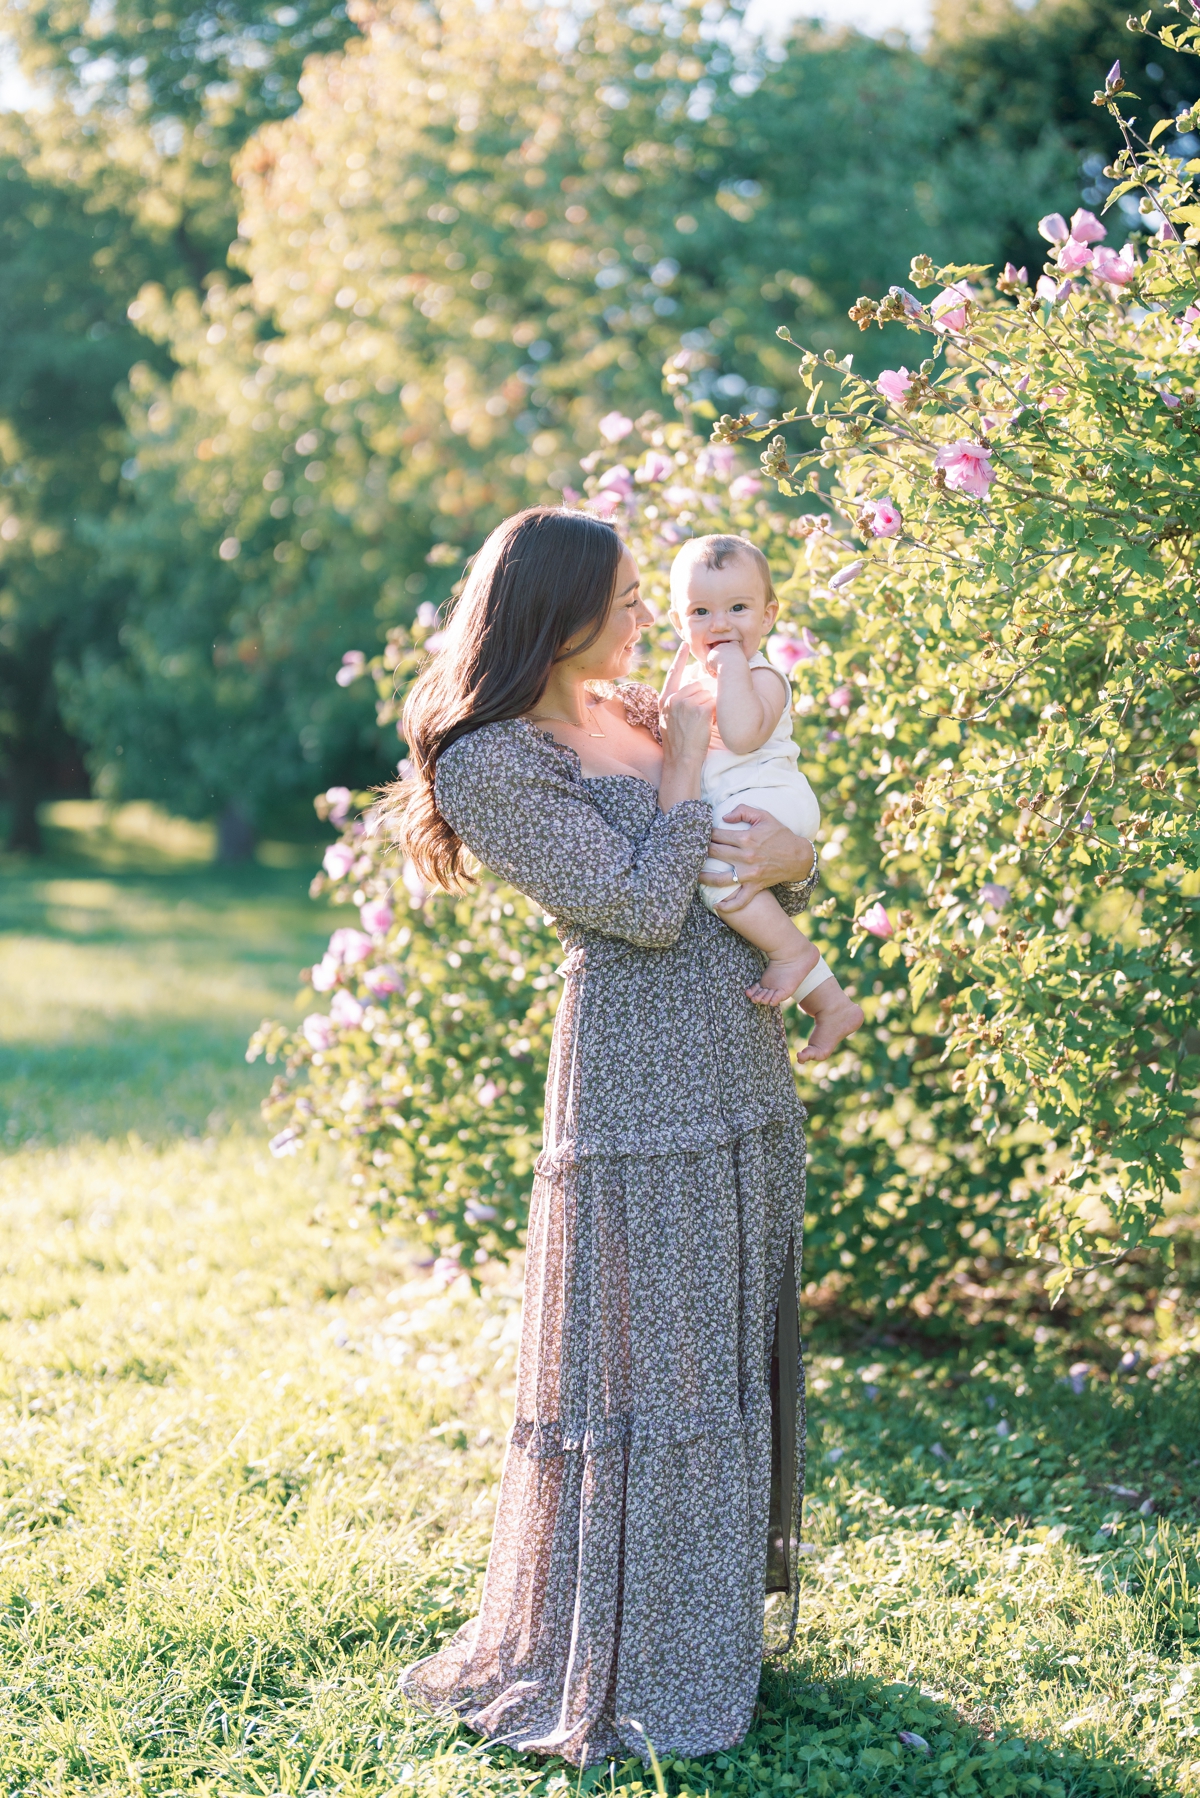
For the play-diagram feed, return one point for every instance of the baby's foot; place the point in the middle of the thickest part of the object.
(837, 1020)
(782, 975)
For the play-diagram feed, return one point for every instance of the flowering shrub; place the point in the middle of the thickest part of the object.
(992, 628)
(427, 1068)
(1024, 656)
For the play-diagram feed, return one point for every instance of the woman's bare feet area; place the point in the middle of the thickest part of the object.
(783, 974)
(838, 1018)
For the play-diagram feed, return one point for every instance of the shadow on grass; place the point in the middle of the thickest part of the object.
(829, 1734)
(152, 1082)
(836, 1733)
(1011, 1439)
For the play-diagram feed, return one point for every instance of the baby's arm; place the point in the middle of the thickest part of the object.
(750, 701)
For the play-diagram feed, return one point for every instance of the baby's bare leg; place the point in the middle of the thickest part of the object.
(764, 923)
(835, 1015)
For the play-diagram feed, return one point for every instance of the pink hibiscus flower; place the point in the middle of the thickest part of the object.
(894, 383)
(968, 468)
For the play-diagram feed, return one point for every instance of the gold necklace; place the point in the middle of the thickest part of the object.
(550, 718)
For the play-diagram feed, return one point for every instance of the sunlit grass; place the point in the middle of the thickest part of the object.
(249, 1463)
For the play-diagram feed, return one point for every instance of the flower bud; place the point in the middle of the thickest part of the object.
(876, 921)
(864, 311)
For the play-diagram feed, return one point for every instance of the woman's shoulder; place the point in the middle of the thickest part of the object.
(497, 753)
(640, 701)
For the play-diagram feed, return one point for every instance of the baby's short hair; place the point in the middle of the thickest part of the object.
(714, 552)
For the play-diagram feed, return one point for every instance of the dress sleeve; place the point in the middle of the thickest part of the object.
(641, 705)
(513, 801)
(795, 895)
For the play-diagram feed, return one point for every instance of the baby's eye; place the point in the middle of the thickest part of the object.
(739, 606)
(700, 612)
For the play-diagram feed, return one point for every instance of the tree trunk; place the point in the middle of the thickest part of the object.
(24, 830)
(236, 835)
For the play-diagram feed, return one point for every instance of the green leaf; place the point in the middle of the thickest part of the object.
(1073, 1089)
(1057, 1282)
(920, 979)
(1123, 187)
(963, 271)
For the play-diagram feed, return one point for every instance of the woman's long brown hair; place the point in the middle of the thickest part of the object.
(543, 579)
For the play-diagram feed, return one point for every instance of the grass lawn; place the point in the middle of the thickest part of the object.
(248, 1466)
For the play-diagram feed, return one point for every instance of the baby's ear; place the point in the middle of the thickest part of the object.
(770, 614)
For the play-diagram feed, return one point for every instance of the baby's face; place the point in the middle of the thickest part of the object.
(723, 605)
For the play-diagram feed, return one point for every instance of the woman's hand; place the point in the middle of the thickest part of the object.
(765, 855)
(685, 720)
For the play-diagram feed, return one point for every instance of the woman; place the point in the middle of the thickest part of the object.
(648, 1473)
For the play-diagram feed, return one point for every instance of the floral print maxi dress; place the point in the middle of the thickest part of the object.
(638, 1523)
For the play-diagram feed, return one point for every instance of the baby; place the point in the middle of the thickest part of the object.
(723, 605)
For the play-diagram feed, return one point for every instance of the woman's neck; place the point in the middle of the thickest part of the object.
(565, 698)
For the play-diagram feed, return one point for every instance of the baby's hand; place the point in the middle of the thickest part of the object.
(721, 655)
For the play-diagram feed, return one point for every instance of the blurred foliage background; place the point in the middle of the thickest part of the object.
(296, 304)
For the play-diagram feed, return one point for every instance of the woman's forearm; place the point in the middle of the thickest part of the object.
(681, 777)
(801, 865)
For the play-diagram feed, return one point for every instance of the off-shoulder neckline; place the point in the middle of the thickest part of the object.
(546, 736)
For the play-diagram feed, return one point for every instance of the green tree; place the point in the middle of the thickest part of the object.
(475, 238)
(68, 344)
(1025, 76)
(1019, 662)
(118, 176)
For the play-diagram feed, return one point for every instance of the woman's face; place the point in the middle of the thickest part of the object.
(611, 655)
